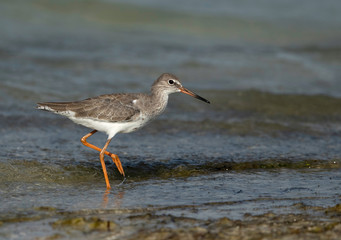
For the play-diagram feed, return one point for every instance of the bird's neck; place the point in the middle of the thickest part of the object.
(159, 100)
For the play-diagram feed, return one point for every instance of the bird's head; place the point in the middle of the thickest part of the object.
(169, 83)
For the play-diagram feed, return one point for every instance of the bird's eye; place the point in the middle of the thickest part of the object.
(171, 82)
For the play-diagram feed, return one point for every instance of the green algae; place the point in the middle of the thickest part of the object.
(336, 208)
(52, 237)
(315, 222)
(46, 209)
(334, 211)
(85, 224)
(278, 164)
(188, 169)
(36, 172)
(265, 226)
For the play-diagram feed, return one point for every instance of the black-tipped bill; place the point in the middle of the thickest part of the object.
(184, 90)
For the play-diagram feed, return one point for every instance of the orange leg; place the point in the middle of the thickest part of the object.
(101, 157)
(114, 157)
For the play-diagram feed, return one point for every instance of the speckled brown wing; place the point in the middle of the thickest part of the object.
(110, 107)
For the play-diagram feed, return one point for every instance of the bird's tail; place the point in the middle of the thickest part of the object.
(55, 107)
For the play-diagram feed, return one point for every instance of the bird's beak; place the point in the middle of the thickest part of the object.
(184, 90)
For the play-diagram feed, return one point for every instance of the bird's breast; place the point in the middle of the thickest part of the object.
(139, 123)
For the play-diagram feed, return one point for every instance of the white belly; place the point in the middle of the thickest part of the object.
(110, 128)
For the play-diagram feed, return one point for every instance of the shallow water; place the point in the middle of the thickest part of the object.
(269, 142)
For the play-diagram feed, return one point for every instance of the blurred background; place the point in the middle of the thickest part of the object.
(271, 69)
(73, 49)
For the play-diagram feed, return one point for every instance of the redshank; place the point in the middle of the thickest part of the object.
(119, 113)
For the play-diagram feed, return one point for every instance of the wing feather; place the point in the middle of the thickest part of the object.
(109, 107)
